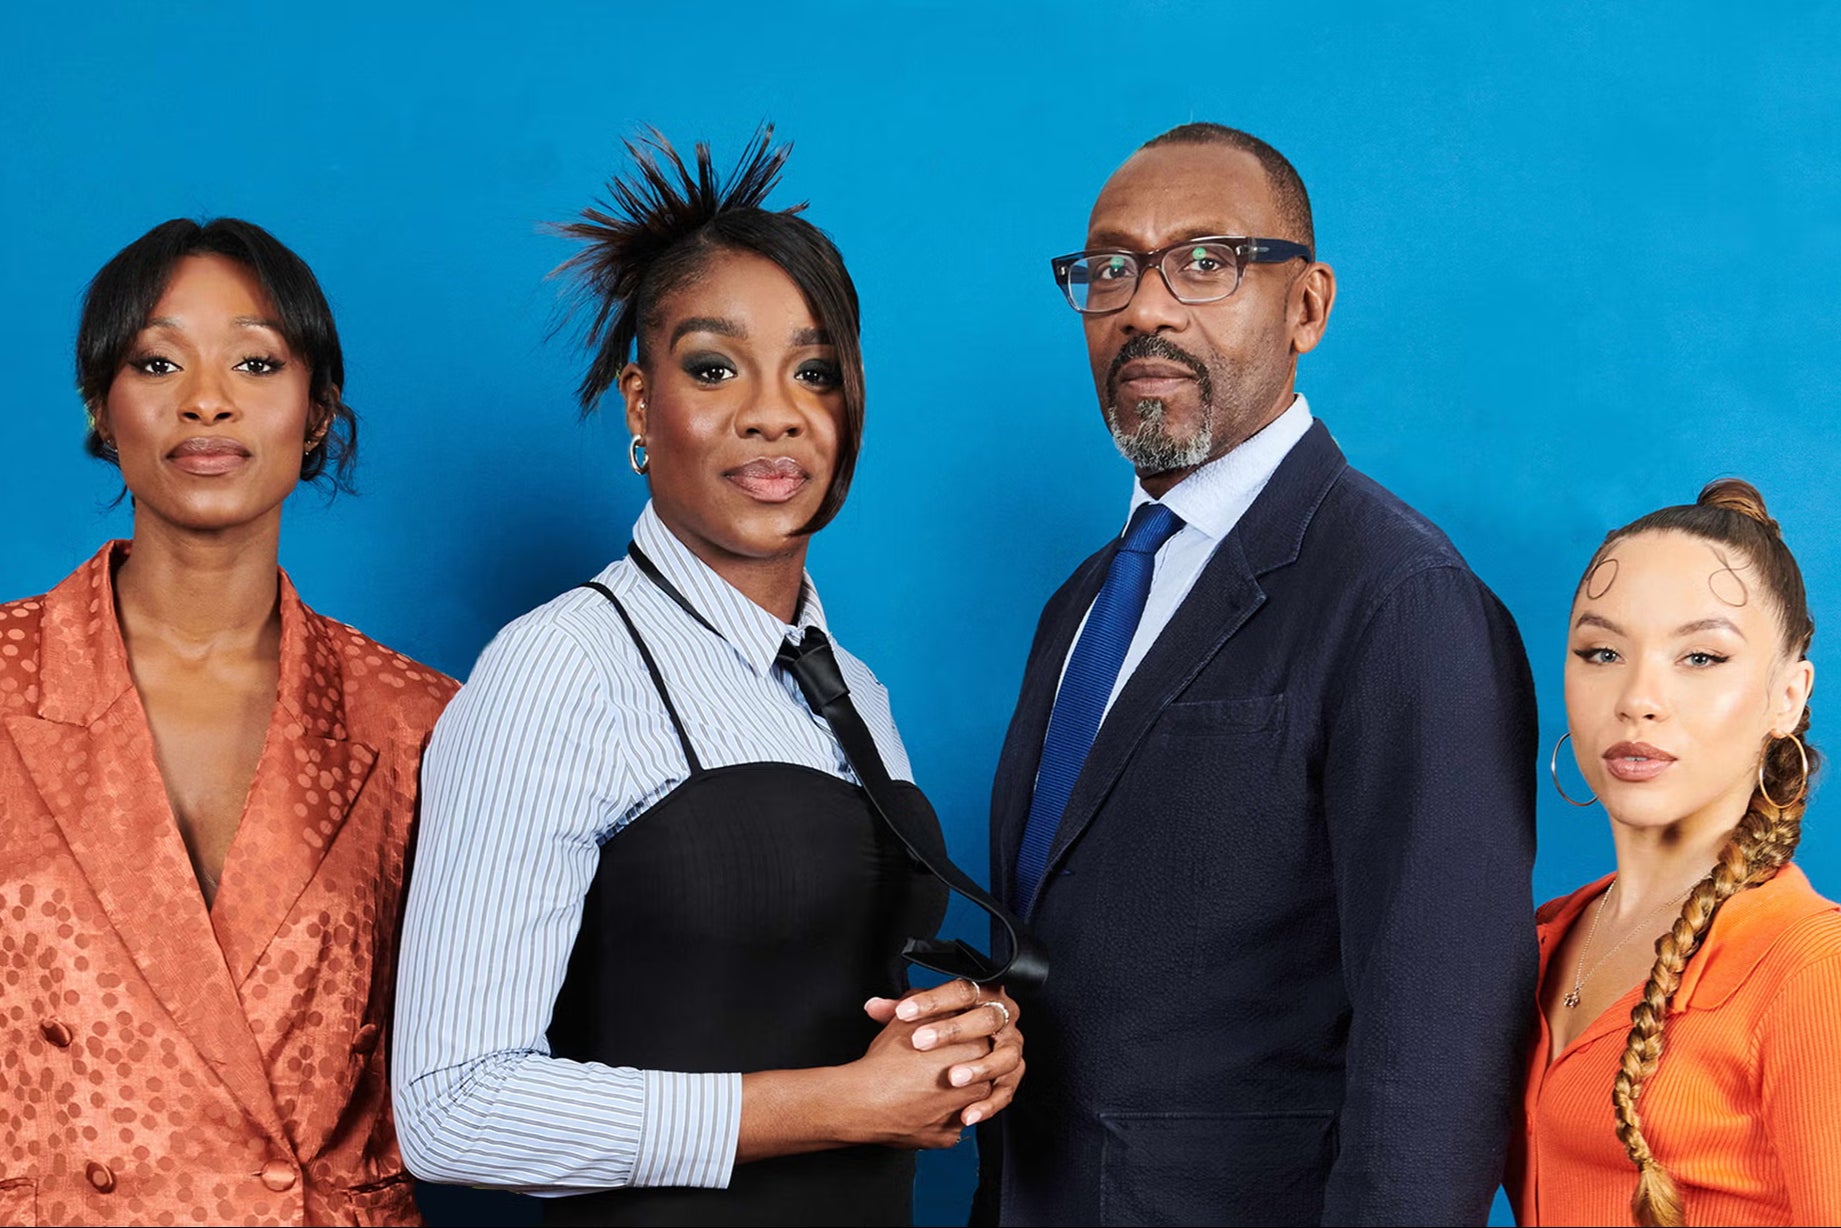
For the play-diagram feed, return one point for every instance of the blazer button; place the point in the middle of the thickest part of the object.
(278, 1175)
(100, 1177)
(56, 1031)
(365, 1040)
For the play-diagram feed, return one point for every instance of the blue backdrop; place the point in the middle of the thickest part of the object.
(1588, 260)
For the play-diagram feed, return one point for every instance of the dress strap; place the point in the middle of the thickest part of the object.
(658, 679)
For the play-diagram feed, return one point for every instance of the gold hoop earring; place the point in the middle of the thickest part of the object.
(1553, 770)
(1802, 791)
(635, 455)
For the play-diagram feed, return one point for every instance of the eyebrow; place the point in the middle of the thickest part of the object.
(728, 328)
(239, 321)
(1704, 624)
(708, 324)
(1710, 624)
(1111, 240)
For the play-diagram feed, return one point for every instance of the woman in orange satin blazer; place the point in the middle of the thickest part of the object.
(1695, 1076)
(171, 1051)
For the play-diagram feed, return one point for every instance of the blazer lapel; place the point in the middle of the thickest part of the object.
(1225, 595)
(307, 780)
(90, 754)
(1022, 752)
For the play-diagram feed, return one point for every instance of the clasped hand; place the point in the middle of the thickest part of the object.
(946, 1058)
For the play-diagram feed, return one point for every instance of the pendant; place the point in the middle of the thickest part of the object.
(1571, 998)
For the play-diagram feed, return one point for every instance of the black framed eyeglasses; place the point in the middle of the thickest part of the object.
(1204, 270)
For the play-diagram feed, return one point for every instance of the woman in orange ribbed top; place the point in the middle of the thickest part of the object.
(1686, 700)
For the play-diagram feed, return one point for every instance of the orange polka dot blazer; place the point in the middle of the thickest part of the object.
(165, 1063)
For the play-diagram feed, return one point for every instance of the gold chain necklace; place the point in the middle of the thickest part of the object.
(1580, 974)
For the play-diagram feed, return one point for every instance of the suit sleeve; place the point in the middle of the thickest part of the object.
(1429, 802)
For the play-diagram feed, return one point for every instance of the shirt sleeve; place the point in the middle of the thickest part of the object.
(1799, 1050)
(1429, 804)
(519, 782)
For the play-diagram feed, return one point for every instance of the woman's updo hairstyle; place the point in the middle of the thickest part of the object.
(1730, 516)
(124, 292)
(664, 226)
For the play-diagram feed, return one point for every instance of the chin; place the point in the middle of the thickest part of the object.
(757, 537)
(1644, 809)
(225, 512)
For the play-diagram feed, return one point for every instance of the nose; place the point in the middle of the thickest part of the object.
(1152, 309)
(1643, 698)
(775, 413)
(206, 398)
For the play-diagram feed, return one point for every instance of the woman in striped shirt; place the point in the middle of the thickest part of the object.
(1693, 1077)
(650, 898)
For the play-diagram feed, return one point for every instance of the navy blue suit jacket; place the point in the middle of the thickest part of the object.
(1288, 909)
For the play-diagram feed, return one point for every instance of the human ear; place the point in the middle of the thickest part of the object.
(1313, 295)
(98, 413)
(633, 390)
(1790, 695)
(319, 420)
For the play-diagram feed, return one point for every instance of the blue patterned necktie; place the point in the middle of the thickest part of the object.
(1087, 684)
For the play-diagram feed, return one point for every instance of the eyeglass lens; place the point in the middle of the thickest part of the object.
(1196, 273)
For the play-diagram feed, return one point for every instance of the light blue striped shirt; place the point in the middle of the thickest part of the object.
(557, 742)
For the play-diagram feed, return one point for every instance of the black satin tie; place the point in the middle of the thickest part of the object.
(813, 664)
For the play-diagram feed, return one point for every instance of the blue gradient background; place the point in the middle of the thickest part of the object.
(1588, 260)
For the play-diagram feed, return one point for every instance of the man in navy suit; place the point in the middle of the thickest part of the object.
(1268, 795)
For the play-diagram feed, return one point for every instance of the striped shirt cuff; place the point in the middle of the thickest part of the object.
(691, 1129)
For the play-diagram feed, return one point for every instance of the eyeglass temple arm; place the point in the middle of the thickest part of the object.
(1273, 251)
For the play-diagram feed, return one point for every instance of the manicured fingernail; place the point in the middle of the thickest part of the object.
(961, 1075)
(924, 1038)
(973, 1117)
(908, 1010)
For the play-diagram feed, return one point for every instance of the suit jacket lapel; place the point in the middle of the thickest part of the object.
(90, 754)
(306, 783)
(1225, 595)
(1022, 752)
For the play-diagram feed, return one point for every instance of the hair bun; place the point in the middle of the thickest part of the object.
(1738, 495)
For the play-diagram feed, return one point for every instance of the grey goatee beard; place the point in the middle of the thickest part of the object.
(1150, 448)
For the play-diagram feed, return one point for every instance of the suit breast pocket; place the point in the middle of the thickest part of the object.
(1205, 718)
(1215, 1168)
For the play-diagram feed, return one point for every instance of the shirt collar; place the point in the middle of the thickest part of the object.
(752, 632)
(1214, 498)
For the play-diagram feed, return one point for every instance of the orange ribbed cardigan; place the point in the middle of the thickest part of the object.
(1745, 1105)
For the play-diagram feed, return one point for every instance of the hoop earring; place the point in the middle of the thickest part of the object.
(1802, 752)
(635, 455)
(1553, 770)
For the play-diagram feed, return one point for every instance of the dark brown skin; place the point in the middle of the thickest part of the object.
(738, 370)
(1251, 340)
(755, 379)
(198, 597)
